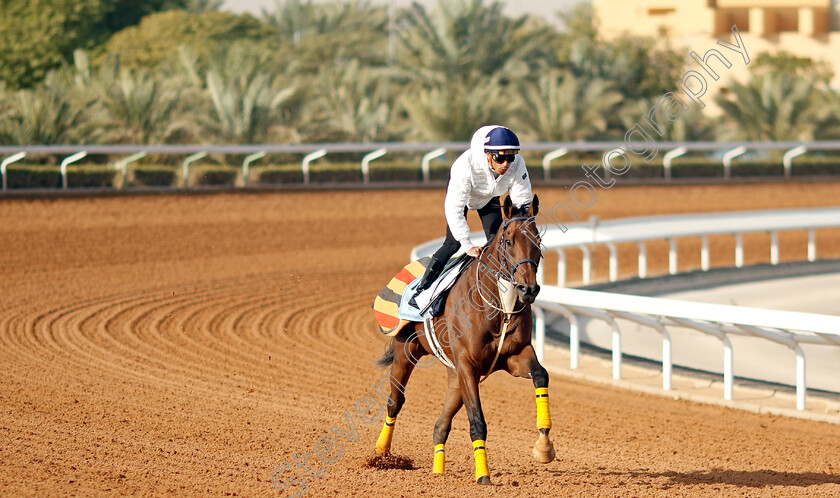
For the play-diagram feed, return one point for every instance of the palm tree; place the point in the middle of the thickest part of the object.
(319, 34)
(463, 39)
(452, 110)
(774, 106)
(6, 109)
(50, 113)
(354, 103)
(129, 106)
(560, 106)
(141, 108)
(830, 128)
(246, 100)
(691, 124)
(459, 62)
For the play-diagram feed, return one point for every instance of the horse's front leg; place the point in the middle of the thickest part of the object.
(468, 377)
(525, 364)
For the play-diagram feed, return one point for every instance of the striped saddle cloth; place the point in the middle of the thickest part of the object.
(393, 312)
(386, 306)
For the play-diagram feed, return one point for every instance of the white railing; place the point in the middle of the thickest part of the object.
(791, 329)
(309, 152)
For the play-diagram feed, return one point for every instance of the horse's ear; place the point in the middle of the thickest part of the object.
(507, 208)
(534, 208)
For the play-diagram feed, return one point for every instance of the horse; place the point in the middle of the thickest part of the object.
(485, 327)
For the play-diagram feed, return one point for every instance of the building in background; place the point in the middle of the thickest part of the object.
(805, 28)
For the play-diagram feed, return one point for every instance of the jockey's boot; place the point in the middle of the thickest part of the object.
(433, 271)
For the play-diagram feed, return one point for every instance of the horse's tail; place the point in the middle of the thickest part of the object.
(387, 358)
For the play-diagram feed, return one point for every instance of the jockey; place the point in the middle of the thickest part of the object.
(490, 168)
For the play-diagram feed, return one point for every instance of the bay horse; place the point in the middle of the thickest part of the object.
(480, 331)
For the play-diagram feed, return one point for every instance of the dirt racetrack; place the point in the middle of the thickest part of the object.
(197, 344)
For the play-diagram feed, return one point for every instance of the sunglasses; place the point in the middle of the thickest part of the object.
(501, 158)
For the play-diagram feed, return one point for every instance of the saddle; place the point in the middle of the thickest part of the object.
(391, 308)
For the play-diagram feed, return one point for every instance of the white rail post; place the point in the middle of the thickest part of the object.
(787, 159)
(304, 167)
(9, 160)
(727, 160)
(246, 165)
(366, 163)
(774, 247)
(574, 341)
(670, 156)
(667, 359)
(548, 158)
(739, 251)
(539, 332)
(613, 261)
(642, 260)
(561, 268)
(704, 253)
(123, 165)
(586, 264)
(728, 370)
(427, 159)
(812, 245)
(801, 387)
(185, 168)
(616, 349)
(672, 256)
(68, 161)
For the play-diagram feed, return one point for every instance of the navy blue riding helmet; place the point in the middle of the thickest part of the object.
(501, 138)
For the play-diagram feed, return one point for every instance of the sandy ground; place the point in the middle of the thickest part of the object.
(204, 344)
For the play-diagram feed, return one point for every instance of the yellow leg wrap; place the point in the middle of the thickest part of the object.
(480, 459)
(383, 445)
(543, 413)
(440, 460)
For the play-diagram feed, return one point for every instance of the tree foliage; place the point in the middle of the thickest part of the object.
(179, 71)
(154, 41)
(774, 106)
(38, 35)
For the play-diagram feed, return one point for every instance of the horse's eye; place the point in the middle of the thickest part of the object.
(508, 242)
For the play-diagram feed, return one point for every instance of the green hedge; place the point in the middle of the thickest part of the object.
(23, 176)
(152, 176)
(699, 168)
(214, 175)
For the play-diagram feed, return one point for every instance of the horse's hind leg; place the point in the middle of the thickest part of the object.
(451, 404)
(407, 350)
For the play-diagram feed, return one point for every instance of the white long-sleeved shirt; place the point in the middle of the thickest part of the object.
(473, 183)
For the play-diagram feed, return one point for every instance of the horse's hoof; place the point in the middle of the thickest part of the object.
(484, 480)
(544, 450)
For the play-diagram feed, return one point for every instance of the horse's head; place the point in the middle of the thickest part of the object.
(517, 245)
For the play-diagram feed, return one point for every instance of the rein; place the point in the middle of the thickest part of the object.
(510, 270)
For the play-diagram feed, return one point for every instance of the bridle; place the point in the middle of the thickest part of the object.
(511, 270)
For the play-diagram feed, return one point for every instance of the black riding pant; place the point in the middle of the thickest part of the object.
(491, 220)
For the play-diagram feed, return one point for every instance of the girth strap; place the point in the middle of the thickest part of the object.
(505, 324)
(434, 343)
